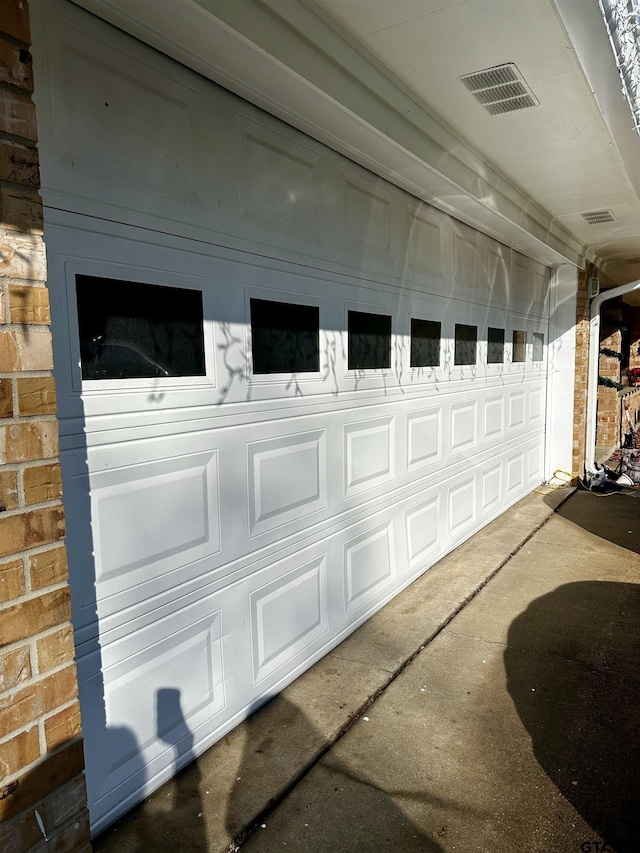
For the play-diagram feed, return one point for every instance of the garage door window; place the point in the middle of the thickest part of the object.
(538, 346)
(466, 344)
(519, 346)
(285, 338)
(425, 343)
(495, 346)
(369, 341)
(131, 330)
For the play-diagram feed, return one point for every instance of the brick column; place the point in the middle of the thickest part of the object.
(42, 791)
(608, 429)
(634, 335)
(581, 374)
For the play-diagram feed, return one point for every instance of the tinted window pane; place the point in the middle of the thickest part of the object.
(519, 346)
(495, 346)
(425, 343)
(130, 330)
(369, 340)
(538, 346)
(466, 343)
(284, 338)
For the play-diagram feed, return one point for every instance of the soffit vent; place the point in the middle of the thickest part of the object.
(595, 217)
(501, 89)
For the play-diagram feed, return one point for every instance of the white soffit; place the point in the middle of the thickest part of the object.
(363, 76)
(567, 153)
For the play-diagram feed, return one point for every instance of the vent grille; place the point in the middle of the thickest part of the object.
(594, 217)
(501, 89)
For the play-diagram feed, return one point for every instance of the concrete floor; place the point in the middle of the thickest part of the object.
(479, 716)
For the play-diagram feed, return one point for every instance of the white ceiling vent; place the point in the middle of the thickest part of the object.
(595, 217)
(501, 89)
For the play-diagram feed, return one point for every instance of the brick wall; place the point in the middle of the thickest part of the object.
(634, 335)
(41, 757)
(581, 372)
(608, 426)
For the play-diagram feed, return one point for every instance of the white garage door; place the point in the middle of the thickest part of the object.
(286, 389)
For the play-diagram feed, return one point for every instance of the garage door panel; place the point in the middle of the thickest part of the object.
(368, 566)
(156, 511)
(369, 455)
(462, 507)
(279, 180)
(492, 489)
(280, 487)
(287, 479)
(422, 525)
(424, 438)
(288, 616)
(228, 529)
(151, 519)
(493, 417)
(174, 669)
(463, 427)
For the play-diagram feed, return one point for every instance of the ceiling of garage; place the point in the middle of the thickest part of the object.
(379, 80)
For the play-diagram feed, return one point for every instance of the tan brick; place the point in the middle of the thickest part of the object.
(8, 490)
(30, 529)
(49, 775)
(6, 398)
(62, 726)
(15, 20)
(29, 304)
(55, 649)
(42, 483)
(35, 615)
(16, 66)
(19, 164)
(22, 257)
(37, 396)
(21, 209)
(18, 115)
(38, 698)
(22, 349)
(19, 752)
(15, 667)
(11, 580)
(48, 567)
(28, 442)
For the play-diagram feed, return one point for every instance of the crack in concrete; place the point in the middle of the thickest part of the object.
(268, 810)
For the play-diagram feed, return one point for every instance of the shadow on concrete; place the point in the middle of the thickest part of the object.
(580, 699)
(614, 517)
(342, 811)
(178, 824)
